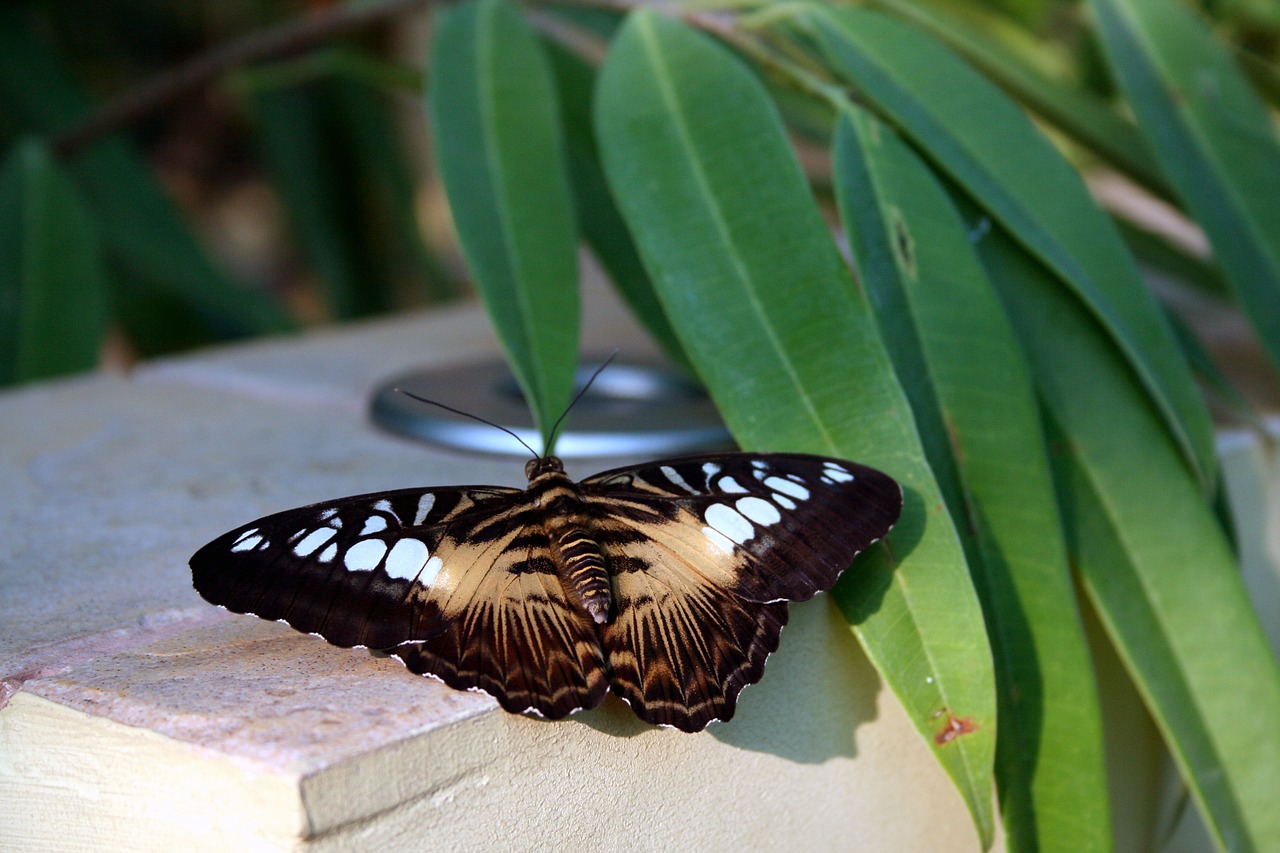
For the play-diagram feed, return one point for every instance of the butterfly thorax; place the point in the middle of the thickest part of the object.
(577, 556)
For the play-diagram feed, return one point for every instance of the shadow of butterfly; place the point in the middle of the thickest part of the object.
(666, 583)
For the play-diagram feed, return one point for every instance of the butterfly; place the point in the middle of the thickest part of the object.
(666, 582)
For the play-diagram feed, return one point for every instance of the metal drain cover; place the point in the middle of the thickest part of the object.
(632, 408)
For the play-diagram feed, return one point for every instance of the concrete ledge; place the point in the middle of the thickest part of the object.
(138, 717)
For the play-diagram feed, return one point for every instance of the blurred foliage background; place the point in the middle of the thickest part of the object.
(291, 186)
(284, 192)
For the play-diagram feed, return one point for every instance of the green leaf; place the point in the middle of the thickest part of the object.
(598, 216)
(53, 297)
(973, 400)
(496, 127)
(983, 141)
(757, 293)
(1153, 558)
(1213, 138)
(166, 291)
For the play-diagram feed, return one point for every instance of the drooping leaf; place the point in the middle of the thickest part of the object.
(495, 123)
(764, 306)
(972, 397)
(598, 216)
(1153, 558)
(1083, 116)
(331, 151)
(166, 291)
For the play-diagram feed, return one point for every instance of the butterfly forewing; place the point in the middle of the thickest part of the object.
(771, 527)
(467, 585)
(344, 569)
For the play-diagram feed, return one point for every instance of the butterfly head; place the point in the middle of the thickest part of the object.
(541, 466)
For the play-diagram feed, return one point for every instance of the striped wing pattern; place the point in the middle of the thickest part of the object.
(699, 610)
(472, 585)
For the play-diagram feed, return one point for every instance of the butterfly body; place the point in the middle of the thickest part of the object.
(576, 555)
(666, 583)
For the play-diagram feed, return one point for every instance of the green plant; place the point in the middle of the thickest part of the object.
(991, 344)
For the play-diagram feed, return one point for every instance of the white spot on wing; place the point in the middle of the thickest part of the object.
(425, 503)
(718, 539)
(312, 542)
(710, 469)
(328, 514)
(374, 524)
(674, 476)
(787, 487)
(731, 486)
(247, 544)
(835, 472)
(431, 571)
(759, 510)
(327, 555)
(365, 555)
(252, 531)
(783, 501)
(730, 522)
(407, 558)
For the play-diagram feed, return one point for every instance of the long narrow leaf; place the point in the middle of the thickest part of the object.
(498, 145)
(973, 400)
(764, 306)
(975, 134)
(598, 216)
(1153, 558)
(53, 294)
(1213, 138)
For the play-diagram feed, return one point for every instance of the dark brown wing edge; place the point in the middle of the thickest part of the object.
(256, 568)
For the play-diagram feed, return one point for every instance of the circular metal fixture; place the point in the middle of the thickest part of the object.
(632, 408)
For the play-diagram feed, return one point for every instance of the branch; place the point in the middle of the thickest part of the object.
(200, 70)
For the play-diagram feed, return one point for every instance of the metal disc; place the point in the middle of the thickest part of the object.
(631, 409)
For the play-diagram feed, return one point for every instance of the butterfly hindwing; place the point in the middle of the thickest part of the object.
(508, 627)
(516, 637)
(681, 646)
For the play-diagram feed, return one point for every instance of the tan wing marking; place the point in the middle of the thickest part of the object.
(514, 635)
(681, 646)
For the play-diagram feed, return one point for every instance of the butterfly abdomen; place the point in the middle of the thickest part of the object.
(577, 555)
(583, 570)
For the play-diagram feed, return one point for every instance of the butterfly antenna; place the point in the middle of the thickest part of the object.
(535, 453)
(555, 428)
